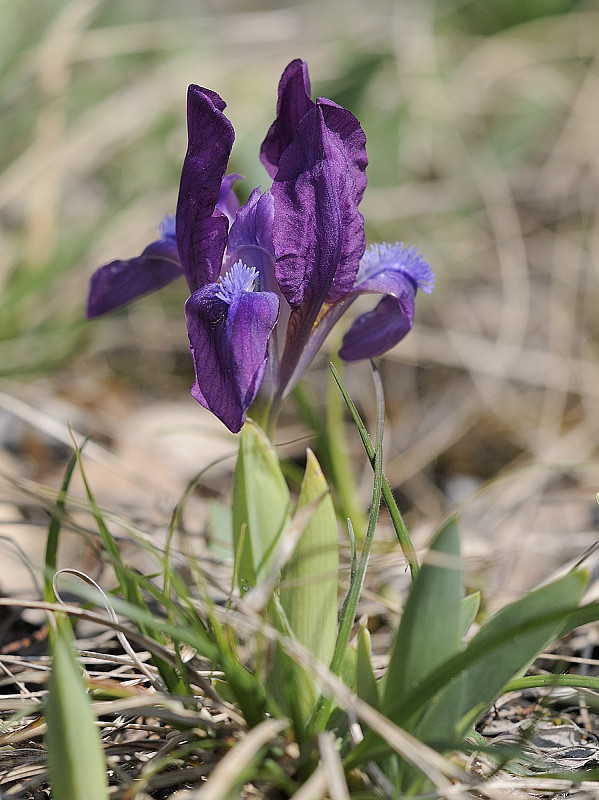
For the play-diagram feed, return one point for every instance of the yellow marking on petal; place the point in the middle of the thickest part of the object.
(323, 310)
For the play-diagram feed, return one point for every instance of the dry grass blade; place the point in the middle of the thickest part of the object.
(331, 762)
(64, 433)
(157, 706)
(230, 770)
(526, 365)
(151, 740)
(506, 787)
(154, 681)
(315, 787)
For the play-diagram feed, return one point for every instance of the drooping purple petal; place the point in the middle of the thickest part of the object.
(389, 269)
(379, 330)
(201, 227)
(117, 283)
(293, 103)
(229, 329)
(396, 272)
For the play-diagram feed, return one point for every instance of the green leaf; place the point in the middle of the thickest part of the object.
(220, 530)
(366, 682)
(487, 675)
(260, 505)
(429, 630)
(429, 633)
(349, 666)
(308, 598)
(310, 579)
(337, 719)
(75, 757)
(468, 611)
(293, 690)
(501, 651)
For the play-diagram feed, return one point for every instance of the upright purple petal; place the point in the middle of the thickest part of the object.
(251, 241)
(116, 284)
(352, 142)
(253, 226)
(293, 103)
(319, 232)
(201, 227)
(229, 330)
(227, 199)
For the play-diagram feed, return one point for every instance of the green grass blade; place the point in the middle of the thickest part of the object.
(590, 682)
(403, 535)
(218, 648)
(128, 587)
(342, 468)
(75, 757)
(128, 580)
(54, 528)
(350, 605)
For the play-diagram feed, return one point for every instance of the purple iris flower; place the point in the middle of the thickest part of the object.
(268, 280)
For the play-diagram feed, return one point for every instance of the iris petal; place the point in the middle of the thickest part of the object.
(227, 199)
(293, 103)
(201, 227)
(117, 283)
(253, 225)
(377, 331)
(229, 346)
(319, 232)
(383, 266)
(397, 272)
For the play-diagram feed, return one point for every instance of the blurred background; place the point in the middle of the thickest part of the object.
(482, 121)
